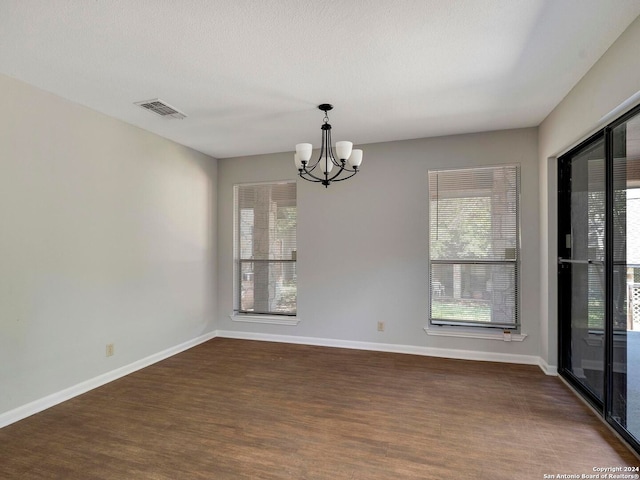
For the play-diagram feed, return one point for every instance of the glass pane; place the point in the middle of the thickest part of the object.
(474, 214)
(268, 287)
(460, 228)
(625, 407)
(585, 293)
(284, 244)
(474, 293)
(587, 326)
(266, 221)
(246, 233)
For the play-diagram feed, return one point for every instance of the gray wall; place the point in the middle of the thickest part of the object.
(107, 236)
(613, 79)
(363, 243)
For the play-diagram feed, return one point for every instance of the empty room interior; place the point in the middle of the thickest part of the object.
(295, 239)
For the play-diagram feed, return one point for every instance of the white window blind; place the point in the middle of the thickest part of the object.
(474, 246)
(265, 248)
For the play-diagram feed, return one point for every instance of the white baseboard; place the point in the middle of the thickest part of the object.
(551, 370)
(41, 404)
(393, 348)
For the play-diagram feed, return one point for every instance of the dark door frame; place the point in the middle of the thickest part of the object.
(564, 276)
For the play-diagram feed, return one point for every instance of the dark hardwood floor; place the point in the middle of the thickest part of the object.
(235, 409)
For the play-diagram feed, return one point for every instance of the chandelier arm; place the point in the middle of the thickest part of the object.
(311, 179)
(308, 172)
(337, 174)
(314, 179)
(347, 169)
(332, 157)
(345, 178)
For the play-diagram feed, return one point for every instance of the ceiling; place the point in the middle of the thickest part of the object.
(250, 73)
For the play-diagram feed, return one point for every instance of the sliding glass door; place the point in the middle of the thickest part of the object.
(625, 380)
(599, 272)
(581, 268)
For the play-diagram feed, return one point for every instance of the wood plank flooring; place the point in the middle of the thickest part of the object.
(235, 409)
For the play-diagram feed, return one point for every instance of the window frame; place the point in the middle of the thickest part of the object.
(470, 326)
(238, 314)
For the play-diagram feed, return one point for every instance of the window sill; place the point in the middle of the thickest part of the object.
(269, 319)
(595, 338)
(473, 333)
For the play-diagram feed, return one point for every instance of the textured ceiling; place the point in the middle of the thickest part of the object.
(249, 73)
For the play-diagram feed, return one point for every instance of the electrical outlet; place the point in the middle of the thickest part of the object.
(381, 326)
(109, 349)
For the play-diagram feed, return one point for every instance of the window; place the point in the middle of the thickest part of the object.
(474, 246)
(265, 248)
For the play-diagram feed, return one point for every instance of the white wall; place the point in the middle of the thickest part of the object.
(612, 80)
(362, 244)
(107, 235)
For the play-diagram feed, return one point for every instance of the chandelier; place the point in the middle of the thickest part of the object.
(321, 171)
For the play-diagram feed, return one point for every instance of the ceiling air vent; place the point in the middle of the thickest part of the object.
(161, 108)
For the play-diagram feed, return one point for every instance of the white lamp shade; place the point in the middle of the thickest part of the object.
(325, 165)
(343, 150)
(304, 151)
(297, 161)
(356, 158)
